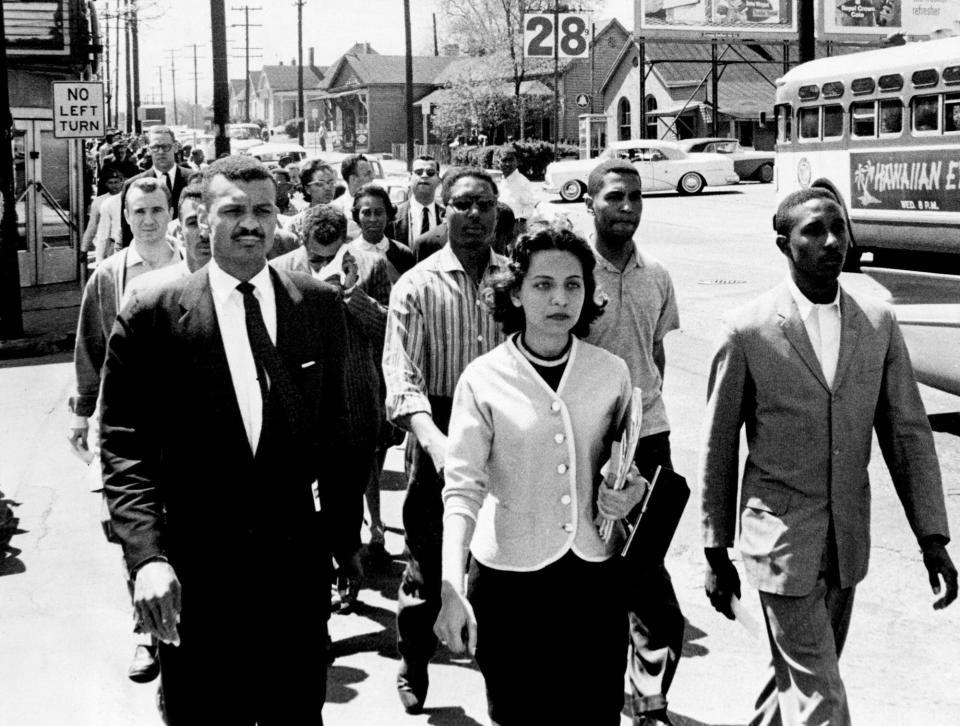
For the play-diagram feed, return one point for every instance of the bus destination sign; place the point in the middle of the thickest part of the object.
(927, 180)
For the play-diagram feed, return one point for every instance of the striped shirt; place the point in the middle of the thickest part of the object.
(436, 324)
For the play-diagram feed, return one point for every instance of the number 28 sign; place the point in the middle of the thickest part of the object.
(572, 35)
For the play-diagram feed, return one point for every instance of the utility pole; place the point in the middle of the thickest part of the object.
(106, 57)
(221, 83)
(116, 69)
(805, 24)
(129, 70)
(246, 68)
(160, 78)
(11, 311)
(436, 47)
(556, 78)
(193, 116)
(300, 124)
(135, 43)
(408, 99)
(173, 88)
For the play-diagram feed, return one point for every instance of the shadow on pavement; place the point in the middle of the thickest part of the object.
(10, 563)
(339, 679)
(679, 720)
(691, 649)
(450, 716)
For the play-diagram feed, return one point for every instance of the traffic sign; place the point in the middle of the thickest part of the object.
(583, 100)
(78, 110)
(573, 36)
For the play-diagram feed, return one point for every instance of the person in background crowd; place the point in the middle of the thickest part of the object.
(120, 159)
(223, 474)
(318, 181)
(515, 189)
(197, 160)
(105, 148)
(374, 213)
(642, 309)
(281, 178)
(356, 171)
(148, 212)
(532, 425)
(421, 212)
(161, 144)
(812, 371)
(435, 327)
(365, 286)
(92, 240)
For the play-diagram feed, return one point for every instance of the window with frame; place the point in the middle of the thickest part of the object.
(832, 121)
(951, 113)
(863, 119)
(891, 116)
(784, 123)
(623, 119)
(925, 112)
(808, 122)
(650, 104)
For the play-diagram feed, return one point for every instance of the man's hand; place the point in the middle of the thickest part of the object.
(616, 504)
(156, 600)
(721, 581)
(938, 563)
(456, 616)
(431, 438)
(351, 271)
(77, 435)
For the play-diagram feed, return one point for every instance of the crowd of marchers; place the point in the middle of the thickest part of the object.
(250, 357)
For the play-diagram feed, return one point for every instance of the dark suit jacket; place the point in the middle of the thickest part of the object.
(426, 244)
(179, 475)
(402, 230)
(179, 184)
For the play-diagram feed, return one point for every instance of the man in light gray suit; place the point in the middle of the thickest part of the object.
(812, 371)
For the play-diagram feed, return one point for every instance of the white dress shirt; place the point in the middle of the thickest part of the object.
(380, 247)
(228, 304)
(517, 192)
(822, 323)
(416, 217)
(167, 177)
(109, 224)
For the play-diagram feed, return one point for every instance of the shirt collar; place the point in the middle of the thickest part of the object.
(135, 258)
(604, 262)
(223, 284)
(447, 261)
(162, 174)
(382, 246)
(804, 304)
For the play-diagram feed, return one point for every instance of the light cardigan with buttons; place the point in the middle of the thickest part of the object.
(523, 460)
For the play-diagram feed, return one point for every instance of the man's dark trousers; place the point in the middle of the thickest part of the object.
(418, 603)
(656, 622)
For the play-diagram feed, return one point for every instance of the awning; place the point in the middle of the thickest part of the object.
(339, 94)
(676, 110)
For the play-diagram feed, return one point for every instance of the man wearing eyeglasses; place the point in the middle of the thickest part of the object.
(162, 145)
(436, 325)
(420, 213)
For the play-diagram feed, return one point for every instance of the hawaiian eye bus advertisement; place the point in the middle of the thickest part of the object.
(921, 181)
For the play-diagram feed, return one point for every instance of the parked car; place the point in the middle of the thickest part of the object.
(243, 136)
(750, 165)
(662, 165)
(272, 153)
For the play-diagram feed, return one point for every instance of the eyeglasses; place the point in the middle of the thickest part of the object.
(160, 148)
(424, 172)
(323, 184)
(465, 204)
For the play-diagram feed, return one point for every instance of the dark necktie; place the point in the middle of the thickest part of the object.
(168, 181)
(425, 223)
(267, 360)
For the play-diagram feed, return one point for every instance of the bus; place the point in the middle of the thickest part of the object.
(881, 130)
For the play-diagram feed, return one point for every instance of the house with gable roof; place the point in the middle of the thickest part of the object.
(276, 91)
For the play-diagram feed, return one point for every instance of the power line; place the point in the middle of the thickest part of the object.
(246, 75)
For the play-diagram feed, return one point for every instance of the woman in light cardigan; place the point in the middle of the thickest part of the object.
(532, 425)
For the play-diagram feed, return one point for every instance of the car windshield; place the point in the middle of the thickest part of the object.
(243, 132)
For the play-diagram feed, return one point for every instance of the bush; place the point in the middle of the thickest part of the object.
(532, 156)
(292, 128)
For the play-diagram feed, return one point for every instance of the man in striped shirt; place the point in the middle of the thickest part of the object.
(436, 325)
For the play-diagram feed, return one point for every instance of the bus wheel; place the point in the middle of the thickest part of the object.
(690, 183)
(765, 173)
(571, 191)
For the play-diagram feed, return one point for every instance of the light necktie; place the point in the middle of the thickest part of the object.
(425, 221)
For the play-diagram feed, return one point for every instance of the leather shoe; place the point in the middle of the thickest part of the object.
(412, 683)
(145, 665)
(652, 718)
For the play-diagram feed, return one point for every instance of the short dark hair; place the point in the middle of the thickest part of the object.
(348, 166)
(323, 223)
(610, 166)
(235, 168)
(456, 173)
(427, 157)
(506, 149)
(783, 218)
(280, 172)
(553, 235)
(192, 192)
(313, 167)
(374, 190)
(148, 185)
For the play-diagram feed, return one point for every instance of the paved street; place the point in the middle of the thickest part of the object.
(65, 622)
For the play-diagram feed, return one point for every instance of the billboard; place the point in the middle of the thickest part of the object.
(906, 180)
(725, 18)
(846, 18)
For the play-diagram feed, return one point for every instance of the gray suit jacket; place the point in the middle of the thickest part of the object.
(809, 445)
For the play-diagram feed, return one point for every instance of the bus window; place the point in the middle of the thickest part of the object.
(863, 119)
(925, 113)
(832, 121)
(951, 113)
(784, 117)
(809, 123)
(891, 116)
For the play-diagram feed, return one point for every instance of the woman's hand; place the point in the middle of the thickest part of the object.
(456, 616)
(616, 504)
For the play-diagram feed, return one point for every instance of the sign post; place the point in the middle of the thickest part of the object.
(78, 110)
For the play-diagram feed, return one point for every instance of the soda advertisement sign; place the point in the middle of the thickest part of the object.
(923, 181)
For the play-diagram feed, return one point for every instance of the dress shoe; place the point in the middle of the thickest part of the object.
(652, 718)
(349, 588)
(412, 683)
(145, 665)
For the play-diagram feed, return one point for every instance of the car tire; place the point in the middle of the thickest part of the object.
(690, 183)
(765, 174)
(571, 191)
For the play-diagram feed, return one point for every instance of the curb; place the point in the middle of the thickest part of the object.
(36, 347)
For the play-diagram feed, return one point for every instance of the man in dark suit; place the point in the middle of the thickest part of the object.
(222, 421)
(420, 213)
(812, 372)
(426, 244)
(162, 145)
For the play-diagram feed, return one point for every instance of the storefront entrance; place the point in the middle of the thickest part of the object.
(44, 181)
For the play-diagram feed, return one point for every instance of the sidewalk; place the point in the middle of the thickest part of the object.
(50, 315)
